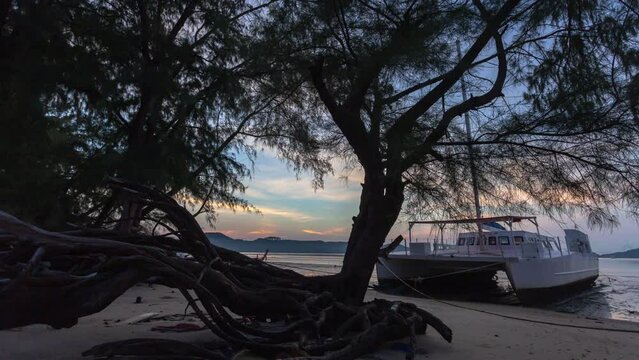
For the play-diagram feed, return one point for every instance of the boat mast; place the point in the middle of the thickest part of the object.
(471, 153)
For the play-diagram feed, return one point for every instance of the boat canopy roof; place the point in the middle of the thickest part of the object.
(511, 218)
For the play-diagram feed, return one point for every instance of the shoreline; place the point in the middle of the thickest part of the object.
(476, 334)
(611, 297)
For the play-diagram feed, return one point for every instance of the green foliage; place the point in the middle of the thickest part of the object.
(163, 93)
(37, 150)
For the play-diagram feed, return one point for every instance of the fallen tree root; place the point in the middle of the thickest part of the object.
(55, 278)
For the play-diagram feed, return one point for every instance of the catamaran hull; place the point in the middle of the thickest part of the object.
(437, 273)
(535, 281)
(545, 280)
(540, 296)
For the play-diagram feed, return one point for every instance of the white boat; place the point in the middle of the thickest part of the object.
(540, 268)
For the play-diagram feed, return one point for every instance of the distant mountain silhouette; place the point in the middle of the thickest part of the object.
(275, 245)
(629, 254)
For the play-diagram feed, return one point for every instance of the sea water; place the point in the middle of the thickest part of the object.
(615, 294)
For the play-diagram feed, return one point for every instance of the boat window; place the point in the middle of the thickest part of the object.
(503, 240)
(492, 240)
(518, 239)
(471, 241)
(461, 241)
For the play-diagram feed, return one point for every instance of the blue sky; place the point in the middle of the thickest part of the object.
(291, 209)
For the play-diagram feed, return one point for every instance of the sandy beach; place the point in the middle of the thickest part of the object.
(476, 335)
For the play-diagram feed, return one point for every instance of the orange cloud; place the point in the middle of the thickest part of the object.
(261, 232)
(288, 214)
(313, 232)
(331, 231)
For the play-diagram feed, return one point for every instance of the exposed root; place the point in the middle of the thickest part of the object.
(54, 278)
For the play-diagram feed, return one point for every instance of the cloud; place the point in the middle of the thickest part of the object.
(334, 190)
(285, 213)
(261, 232)
(327, 232)
(266, 211)
(312, 232)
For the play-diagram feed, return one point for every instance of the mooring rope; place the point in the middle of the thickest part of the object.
(454, 272)
(302, 268)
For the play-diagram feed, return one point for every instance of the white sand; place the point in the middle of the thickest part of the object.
(475, 335)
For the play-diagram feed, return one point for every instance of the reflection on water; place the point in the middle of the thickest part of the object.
(615, 294)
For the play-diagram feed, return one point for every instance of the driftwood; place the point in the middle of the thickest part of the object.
(55, 278)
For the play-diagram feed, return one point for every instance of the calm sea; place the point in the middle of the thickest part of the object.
(615, 294)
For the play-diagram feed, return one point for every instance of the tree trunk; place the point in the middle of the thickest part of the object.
(380, 205)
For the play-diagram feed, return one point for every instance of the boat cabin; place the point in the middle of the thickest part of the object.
(505, 242)
(493, 239)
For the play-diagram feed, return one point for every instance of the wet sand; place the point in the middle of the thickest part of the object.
(475, 335)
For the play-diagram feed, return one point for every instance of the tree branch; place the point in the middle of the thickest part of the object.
(545, 149)
(188, 11)
(393, 98)
(496, 91)
(408, 119)
(225, 144)
(349, 123)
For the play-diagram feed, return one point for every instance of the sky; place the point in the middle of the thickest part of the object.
(289, 208)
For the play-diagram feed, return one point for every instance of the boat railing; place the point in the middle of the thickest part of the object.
(495, 245)
(440, 247)
(545, 247)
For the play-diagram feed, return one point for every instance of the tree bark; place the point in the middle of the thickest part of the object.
(381, 202)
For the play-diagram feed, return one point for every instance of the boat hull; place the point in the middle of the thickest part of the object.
(535, 280)
(475, 280)
(541, 296)
(438, 275)
(547, 279)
